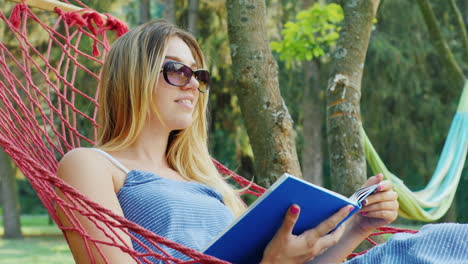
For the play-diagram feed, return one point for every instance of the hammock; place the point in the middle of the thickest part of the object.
(432, 202)
(43, 115)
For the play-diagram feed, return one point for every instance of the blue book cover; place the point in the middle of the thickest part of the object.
(245, 240)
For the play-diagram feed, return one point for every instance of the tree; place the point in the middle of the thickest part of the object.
(269, 125)
(347, 160)
(308, 39)
(145, 11)
(454, 69)
(193, 16)
(9, 198)
(169, 12)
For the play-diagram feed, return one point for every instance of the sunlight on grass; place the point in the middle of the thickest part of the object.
(43, 243)
(35, 250)
(36, 225)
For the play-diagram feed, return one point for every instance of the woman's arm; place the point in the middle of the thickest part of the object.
(91, 174)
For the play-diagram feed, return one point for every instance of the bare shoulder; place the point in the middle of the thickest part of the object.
(79, 155)
(82, 163)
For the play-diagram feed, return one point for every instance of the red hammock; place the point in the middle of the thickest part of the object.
(43, 115)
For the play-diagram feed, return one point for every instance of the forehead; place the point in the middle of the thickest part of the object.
(178, 50)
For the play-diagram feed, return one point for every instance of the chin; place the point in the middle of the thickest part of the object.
(181, 124)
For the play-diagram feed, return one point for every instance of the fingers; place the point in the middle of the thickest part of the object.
(384, 186)
(382, 206)
(286, 246)
(374, 180)
(386, 215)
(331, 239)
(325, 242)
(319, 239)
(289, 220)
(383, 193)
(328, 225)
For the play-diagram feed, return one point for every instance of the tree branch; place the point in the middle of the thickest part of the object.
(461, 27)
(440, 43)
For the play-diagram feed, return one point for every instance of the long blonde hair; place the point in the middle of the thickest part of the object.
(126, 98)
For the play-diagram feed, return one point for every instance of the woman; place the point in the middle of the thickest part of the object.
(152, 165)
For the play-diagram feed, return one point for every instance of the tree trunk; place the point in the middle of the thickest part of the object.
(145, 11)
(347, 160)
(192, 17)
(312, 155)
(454, 69)
(169, 11)
(9, 198)
(269, 124)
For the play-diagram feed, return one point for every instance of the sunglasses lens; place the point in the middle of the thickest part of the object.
(203, 78)
(177, 73)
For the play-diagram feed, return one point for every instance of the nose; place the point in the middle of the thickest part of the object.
(193, 84)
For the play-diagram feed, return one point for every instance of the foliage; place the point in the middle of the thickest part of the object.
(315, 30)
(411, 108)
(29, 202)
(407, 102)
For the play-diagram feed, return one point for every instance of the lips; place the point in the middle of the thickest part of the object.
(186, 101)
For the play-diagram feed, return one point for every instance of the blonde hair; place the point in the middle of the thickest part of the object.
(126, 94)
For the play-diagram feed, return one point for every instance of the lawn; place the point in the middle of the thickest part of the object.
(42, 243)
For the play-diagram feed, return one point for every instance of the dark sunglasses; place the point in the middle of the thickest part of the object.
(178, 74)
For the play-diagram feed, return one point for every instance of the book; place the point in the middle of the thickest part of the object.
(244, 241)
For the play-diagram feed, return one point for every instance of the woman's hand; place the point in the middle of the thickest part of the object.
(380, 208)
(287, 248)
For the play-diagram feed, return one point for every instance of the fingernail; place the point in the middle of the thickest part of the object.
(363, 213)
(379, 188)
(364, 202)
(294, 209)
(351, 209)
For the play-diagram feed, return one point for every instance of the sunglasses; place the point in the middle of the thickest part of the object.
(178, 74)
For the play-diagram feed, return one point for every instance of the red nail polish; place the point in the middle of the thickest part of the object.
(351, 209)
(294, 210)
(363, 213)
(379, 188)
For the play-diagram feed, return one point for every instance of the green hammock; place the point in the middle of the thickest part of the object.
(432, 202)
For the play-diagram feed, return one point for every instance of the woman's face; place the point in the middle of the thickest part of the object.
(177, 104)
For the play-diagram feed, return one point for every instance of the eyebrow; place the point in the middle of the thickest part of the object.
(193, 64)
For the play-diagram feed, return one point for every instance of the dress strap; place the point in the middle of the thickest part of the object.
(113, 160)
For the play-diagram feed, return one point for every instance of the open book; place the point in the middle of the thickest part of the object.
(245, 240)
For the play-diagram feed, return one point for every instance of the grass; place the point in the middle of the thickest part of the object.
(42, 243)
(35, 250)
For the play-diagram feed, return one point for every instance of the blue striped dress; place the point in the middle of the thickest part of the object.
(189, 213)
(433, 244)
